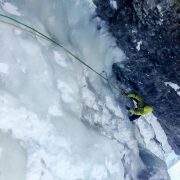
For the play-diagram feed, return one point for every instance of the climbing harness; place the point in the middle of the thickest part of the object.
(41, 35)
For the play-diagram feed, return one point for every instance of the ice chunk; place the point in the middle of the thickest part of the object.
(8, 7)
(54, 111)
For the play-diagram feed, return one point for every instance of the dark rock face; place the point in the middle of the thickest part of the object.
(149, 34)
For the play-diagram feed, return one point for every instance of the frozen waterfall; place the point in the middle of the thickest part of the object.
(58, 119)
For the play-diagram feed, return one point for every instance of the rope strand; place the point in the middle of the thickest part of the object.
(41, 35)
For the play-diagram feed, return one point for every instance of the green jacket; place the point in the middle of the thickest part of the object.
(143, 107)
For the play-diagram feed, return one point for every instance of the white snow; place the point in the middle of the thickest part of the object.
(8, 7)
(65, 91)
(4, 68)
(138, 47)
(175, 171)
(59, 59)
(113, 4)
(174, 86)
(54, 111)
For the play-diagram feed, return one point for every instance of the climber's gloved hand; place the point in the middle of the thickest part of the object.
(128, 108)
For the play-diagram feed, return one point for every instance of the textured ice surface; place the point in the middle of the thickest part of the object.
(4, 69)
(42, 133)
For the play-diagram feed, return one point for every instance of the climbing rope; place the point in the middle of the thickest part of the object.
(41, 35)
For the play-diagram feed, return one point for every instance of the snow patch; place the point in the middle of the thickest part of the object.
(17, 32)
(8, 7)
(59, 59)
(4, 68)
(174, 86)
(113, 4)
(88, 96)
(138, 47)
(65, 91)
(54, 111)
(110, 104)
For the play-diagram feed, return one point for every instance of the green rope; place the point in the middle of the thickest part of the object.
(51, 40)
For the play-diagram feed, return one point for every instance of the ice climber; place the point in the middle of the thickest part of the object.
(142, 107)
